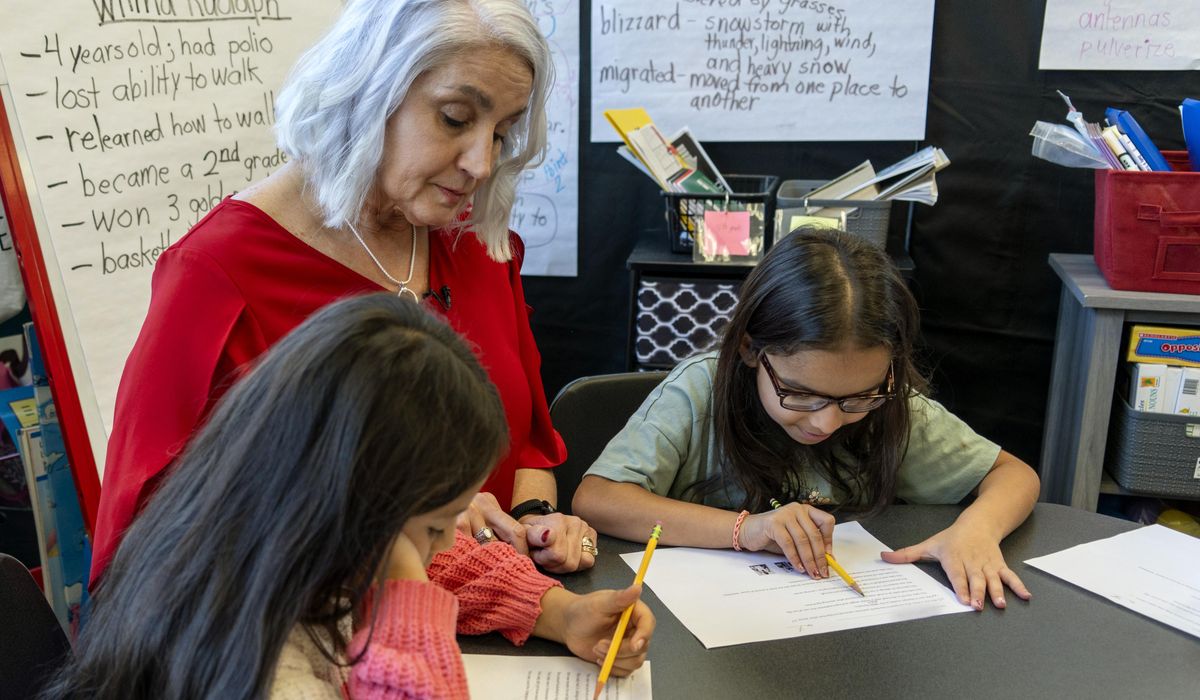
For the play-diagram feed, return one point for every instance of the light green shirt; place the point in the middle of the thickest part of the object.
(669, 444)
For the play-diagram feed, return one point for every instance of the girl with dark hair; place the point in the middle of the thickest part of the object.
(291, 550)
(813, 399)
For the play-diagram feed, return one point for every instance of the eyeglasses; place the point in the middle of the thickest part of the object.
(809, 401)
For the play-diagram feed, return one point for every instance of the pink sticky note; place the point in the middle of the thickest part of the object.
(726, 233)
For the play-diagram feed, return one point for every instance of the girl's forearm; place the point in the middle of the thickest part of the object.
(629, 512)
(1006, 497)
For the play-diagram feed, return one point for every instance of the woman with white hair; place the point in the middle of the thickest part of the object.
(406, 127)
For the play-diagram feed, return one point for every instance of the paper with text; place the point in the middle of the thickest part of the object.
(767, 70)
(546, 209)
(725, 597)
(548, 678)
(1154, 571)
(1121, 35)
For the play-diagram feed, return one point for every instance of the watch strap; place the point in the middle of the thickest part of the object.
(530, 507)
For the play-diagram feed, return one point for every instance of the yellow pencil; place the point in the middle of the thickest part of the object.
(606, 668)
(837, 568)
(844, 574)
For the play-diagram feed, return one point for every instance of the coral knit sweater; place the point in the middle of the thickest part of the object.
(412, 652)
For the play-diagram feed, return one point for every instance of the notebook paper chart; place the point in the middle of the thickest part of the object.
(548, 678)
(725, 597)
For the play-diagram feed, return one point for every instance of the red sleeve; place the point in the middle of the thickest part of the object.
(498, 590)
(411, 652)
(545, 447)
(167, 387)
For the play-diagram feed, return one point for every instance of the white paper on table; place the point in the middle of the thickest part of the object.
(548, 678)
(725, 597)
(1154, 571)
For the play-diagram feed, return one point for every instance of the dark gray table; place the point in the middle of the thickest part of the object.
(1065, 643)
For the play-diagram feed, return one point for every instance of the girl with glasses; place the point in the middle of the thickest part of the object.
(812, 399)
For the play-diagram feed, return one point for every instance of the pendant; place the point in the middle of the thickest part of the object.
(401, 292)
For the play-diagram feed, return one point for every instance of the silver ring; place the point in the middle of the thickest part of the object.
(589, 546)
(484, 535)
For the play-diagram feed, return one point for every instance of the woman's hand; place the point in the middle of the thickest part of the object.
(972, 561)
(404, 561)
(585, 624)
(553, 541)
(485, 511)
(556, 542)
(799, 531)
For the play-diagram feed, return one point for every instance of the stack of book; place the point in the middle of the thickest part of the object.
(678, 164)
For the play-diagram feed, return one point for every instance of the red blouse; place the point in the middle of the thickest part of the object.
(237, 283)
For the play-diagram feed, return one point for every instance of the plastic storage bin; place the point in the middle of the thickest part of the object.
(684, 210)
(1147, 228)
(869, 219)
(1154, 453)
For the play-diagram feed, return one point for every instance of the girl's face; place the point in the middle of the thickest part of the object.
(444, 138)
(838, 373)
(433, 532)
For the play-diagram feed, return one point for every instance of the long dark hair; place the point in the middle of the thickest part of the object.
(285, 504)
(817, 289)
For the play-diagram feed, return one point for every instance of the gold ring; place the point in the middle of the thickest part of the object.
(484, 535)
(589, 546)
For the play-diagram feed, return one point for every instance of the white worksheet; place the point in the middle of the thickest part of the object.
(548, 678)
(726, 597)
(1154, 571)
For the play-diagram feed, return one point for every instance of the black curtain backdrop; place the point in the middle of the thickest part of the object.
(988, 296)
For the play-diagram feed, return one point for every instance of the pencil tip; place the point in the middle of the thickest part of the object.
(599, 688)
(859, 589)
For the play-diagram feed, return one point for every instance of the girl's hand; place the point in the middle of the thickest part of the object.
(587, 623)
(799, 531)
(404, 561)
(972, 561)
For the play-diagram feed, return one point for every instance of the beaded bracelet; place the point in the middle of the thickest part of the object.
(737, 529)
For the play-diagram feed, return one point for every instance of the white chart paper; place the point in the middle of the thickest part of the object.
(1154, 571)
(726, 597)
(765, 70)
(1121, 35)
(548, 678)
(546, 211)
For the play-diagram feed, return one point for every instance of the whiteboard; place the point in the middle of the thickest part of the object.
(765, 70)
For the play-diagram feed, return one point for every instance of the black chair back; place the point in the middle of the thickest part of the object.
(588, 412)
(32, 644)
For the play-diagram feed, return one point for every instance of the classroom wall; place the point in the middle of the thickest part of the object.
(989, 298)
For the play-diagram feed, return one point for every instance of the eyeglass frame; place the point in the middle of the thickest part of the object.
(783, 394)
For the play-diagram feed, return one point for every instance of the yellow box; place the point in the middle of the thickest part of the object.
(1164, 346)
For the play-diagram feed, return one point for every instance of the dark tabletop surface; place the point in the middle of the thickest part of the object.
(1064, 643)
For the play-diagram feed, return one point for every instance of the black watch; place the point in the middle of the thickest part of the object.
(533, 505)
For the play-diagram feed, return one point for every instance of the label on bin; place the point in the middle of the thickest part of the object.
(726, 233)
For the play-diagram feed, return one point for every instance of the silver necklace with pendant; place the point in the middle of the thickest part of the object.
(412, 263)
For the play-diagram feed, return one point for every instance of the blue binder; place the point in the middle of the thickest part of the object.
(1128, 125)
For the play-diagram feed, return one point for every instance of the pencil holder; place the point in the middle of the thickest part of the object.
(867, 219)
(752, 193)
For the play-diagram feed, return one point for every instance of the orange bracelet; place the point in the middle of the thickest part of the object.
(737, 529)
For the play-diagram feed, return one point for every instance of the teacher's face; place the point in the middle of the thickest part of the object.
(444, 138)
